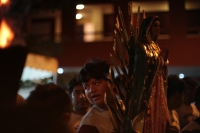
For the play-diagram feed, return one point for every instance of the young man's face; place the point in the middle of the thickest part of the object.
(79, 100)
(95, 90)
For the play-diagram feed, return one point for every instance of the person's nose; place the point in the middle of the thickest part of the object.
(92, 89)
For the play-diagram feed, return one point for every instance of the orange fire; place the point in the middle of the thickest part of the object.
(3, 1)
(6, 34)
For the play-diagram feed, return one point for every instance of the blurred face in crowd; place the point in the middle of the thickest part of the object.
(95, 90)
(79, 100)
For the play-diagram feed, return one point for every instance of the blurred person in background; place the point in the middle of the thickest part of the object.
(188, 111)
(194, 126)
(80, 104)
(175, 90)
(47, 110)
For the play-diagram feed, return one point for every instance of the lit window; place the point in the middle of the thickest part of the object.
(96, 23)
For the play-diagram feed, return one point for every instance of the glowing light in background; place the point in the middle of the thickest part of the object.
(79, 16)
(60, 70)
(181, 75)
(31, 73)
(3, 2)
(6, 34)
(80, 6)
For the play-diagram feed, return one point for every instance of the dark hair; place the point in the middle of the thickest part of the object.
(72, 83)
(47, 110)
(191, 82)
(197, 95)
(174, 84)
(95, 68)
(51, 96)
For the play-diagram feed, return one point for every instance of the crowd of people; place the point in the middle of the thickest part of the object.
(98, 119)
(82, 109)
(162, 103)
(46, 110)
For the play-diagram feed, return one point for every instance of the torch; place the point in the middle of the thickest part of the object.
(12, 60)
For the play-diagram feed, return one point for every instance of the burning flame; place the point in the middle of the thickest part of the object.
(3, 2)
(6, 34)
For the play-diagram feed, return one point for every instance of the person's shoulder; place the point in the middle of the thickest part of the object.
(93, 115)
(174, 112)
(76, 116)
(89, 115)
(93, 110)
(87, 124)
(193, 107)
(195, 111)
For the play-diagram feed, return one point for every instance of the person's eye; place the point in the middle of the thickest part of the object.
(97, 83)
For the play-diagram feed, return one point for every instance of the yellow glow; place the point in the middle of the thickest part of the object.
(6, 34)
(3, 1)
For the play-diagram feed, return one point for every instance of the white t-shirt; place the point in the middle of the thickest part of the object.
(99, 119)
(74, 122)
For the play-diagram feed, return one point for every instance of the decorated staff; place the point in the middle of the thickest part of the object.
(142, 76)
